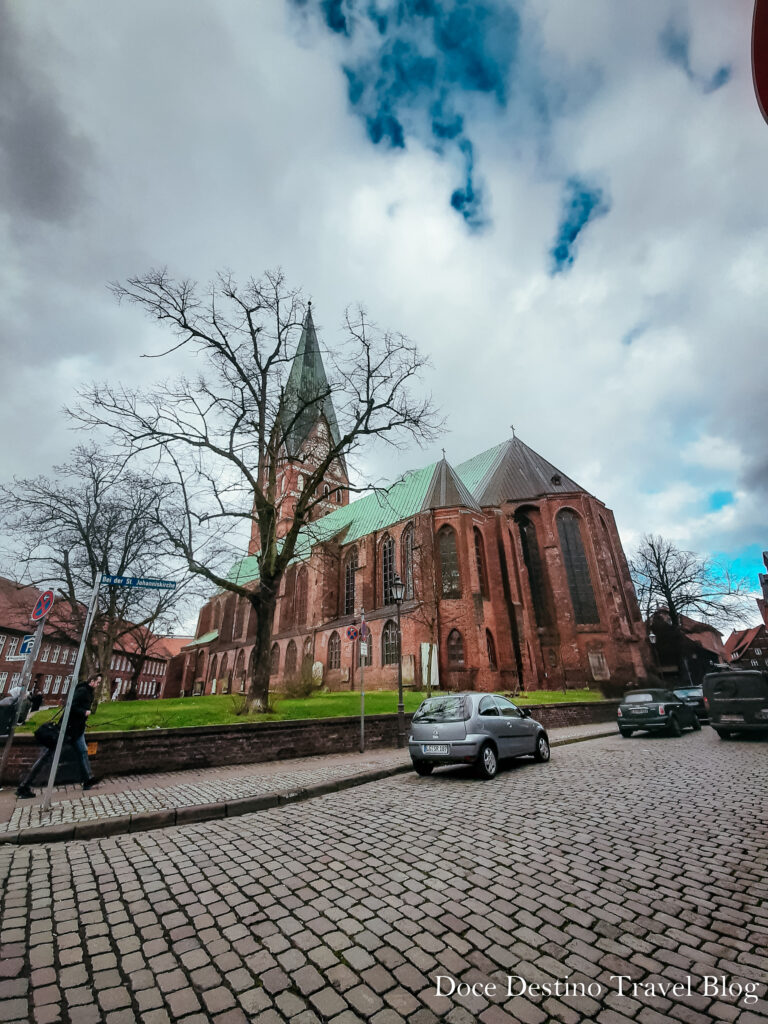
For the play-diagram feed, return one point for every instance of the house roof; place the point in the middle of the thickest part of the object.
(509, 472)
(739, 640)
(206, 638)
(513, 472)
(307, 392)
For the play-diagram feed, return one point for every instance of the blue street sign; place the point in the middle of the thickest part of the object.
(142, 582)
(27, 643)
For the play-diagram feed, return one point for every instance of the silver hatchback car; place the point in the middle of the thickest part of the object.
(473, 728)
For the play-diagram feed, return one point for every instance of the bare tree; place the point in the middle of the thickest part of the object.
(224, 436)
(94, 517)
(686, 583)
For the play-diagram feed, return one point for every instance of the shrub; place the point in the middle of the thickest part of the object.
(301, 685)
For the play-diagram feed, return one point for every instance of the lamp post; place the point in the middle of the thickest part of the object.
(398, 593)
(652, 642)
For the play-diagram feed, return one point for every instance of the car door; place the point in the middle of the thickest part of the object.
(493, 725)
(520, 730)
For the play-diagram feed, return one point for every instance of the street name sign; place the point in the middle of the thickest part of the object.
(142, 582)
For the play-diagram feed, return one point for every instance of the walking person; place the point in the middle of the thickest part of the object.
(82, 700)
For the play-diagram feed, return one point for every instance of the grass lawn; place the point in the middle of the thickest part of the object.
(220, 710)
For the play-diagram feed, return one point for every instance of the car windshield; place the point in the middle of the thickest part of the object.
(441, 709)
(638, 698)
(690, 691)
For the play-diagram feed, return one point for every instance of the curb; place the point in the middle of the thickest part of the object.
(144, 821)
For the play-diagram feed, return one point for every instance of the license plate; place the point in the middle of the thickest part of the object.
(435, 748)
(639, 711)
(731, 718)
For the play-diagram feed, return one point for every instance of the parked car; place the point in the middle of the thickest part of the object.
(737, 701)
(693, 695)
(480, 729)
(655, 711)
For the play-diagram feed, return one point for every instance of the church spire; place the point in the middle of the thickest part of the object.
(308, 393)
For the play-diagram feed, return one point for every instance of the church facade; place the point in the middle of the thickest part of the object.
(515, 577)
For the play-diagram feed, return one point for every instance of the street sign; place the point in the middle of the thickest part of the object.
(142, 582)
(364, 631)
(363, 649)
(43, 605)
(27, 643)
(352, 633)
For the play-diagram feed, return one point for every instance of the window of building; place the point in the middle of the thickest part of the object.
(302, 589)
(338, 495)
(387, 569)
(334, 650)
(55, 655)
(56, 684)
(455, 646)
(239, 625)
(274, 660)
(577, 568)
(47, 684)
(758, 650)
(12, 646)
(482, 574)
(212, 671)
(15, 679)
(406, 545)
(73, 656)
(67, 681)
(2, 642)
(389, 644)
(754, 662)
(326, 492)
(290, 659)
(350, 573)
(450, 577)
(537, 580)
(289, 593)
(3, 681)
(491, 648)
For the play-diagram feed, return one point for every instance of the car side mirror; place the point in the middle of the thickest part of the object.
(525, 712)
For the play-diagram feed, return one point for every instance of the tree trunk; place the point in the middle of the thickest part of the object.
(258, 692)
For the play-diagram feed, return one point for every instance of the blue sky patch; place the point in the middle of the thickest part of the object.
(675, 43)
(582, 203)
(719, 499)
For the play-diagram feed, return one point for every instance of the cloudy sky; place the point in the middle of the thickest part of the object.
(563, 203)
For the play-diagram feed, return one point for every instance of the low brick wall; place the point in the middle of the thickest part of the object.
(163, 750)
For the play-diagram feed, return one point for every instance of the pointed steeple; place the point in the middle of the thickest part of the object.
(307, 393)
(446, 489)
(513, 472)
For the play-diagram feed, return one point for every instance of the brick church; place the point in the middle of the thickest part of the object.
(514, 575)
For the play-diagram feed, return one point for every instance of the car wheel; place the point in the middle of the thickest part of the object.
(487, 763)
(696, 725)
(723, 734)
(423, 767)
(541, 751)
(674, 727)
(626, 733)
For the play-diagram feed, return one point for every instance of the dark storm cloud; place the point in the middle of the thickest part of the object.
(675, 43)
(582, 203)
(416, 68)
(42, 161)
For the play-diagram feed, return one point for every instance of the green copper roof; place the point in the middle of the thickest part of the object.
(308, 387)
(204, 639)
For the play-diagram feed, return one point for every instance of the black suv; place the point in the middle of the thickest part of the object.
(737, 701)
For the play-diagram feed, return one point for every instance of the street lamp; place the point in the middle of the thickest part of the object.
(398, 593)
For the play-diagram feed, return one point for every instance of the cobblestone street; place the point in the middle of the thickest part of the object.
(643, 858)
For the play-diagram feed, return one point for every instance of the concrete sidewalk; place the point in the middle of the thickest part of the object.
(135, 803)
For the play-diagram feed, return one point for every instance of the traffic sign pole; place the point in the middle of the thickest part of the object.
(26, 674)
(72, 686)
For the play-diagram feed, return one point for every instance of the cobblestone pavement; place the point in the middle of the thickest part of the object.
(644, 858)
(137, 793)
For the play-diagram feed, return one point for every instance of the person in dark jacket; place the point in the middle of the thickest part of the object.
(82, 699)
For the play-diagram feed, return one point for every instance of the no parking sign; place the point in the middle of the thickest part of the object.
(43, 605)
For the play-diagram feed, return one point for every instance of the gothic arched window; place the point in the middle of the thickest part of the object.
(302, 587)
(387, 569)
(350, 572)
(274, 660)
(455, 647)
(290, 660)
(406, 547)
(536, 574)
(212, 671)
(576, 567)
(239, 675)
(450, 576)
(334, 650)
(482, 573)
(389, 644)
(491, 648)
